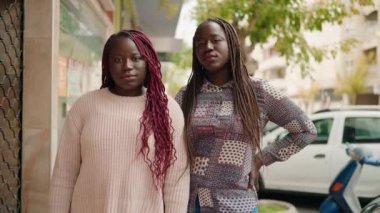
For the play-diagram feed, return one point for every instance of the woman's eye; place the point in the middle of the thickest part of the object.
(136, 58)
(217, 40)
(117, 60)
(201, 43)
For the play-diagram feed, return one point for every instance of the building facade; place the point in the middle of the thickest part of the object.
(319, 89)
(366, 28)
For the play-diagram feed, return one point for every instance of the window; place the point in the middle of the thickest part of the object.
(269, 127)
(371, 55)
(361, 130)
(371, 18)
(282, 135)
(323, 127)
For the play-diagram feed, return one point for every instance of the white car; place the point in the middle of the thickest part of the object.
(314, 168)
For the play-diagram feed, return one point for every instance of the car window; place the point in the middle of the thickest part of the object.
(361, 130)
(269, 127)
(282, 135)
(323, 127)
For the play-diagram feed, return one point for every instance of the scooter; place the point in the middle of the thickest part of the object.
(342, 197)
(372, 207)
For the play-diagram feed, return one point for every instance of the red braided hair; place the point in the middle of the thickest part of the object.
(155, 117)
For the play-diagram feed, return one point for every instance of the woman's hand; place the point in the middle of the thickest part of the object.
(255, 173)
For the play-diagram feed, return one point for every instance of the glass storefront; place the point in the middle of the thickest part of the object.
(83, 33)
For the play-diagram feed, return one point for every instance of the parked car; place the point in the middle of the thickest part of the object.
(269, 127)
(313, 169)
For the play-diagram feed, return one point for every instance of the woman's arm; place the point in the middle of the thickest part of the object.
(177, 183)
(66, 169)
(285, 113)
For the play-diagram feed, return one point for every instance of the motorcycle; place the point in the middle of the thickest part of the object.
(342, 197)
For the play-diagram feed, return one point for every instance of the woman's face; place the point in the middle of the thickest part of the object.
(212, 48)
(127, 67)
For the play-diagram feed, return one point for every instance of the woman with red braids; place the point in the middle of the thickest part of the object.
(122, 147)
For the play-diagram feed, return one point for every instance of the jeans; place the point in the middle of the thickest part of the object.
(197, 206)
(255, 210)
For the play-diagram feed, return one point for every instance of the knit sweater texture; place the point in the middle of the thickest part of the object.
(99, 169)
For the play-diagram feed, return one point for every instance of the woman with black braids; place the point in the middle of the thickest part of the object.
(225, 111)
(122, 147)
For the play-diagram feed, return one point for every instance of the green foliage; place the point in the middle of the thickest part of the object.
(272, 208)
(75, 41)
(174, 78)
(130, 8)
(355, 82)
(182, 59)
(284, 20)
(347, 44)
(170, 8)
(68, 22)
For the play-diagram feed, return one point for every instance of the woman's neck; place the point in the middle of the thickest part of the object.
(219, 78)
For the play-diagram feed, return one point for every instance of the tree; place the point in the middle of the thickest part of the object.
(177, 73)
(183, 58)
(355, 82)
(308, 95)
(174, 78)
(284, 20)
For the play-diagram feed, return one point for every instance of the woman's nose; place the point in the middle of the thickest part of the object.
(209, 45)
(128, 64)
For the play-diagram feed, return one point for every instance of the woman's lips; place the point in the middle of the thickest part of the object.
(128, 77)
(209, 58)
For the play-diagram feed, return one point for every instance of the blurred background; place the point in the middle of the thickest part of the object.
(320, 53)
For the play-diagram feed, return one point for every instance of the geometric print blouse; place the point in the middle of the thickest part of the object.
(222, 153)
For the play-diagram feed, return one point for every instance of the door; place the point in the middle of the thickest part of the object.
(306, 171)
(364, 131)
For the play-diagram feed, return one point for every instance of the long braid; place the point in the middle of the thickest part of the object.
(155, 117)
(190, 98)
(244, 96)
(243, 92)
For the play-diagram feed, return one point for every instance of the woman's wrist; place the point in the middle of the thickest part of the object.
(257, 161)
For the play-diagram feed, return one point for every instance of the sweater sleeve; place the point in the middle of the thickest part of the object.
(177, 182)
(66, 169)
(285, 113)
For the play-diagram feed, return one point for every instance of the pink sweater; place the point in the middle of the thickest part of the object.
(98, 168)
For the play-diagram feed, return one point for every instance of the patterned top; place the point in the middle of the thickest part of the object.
(223, 154)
